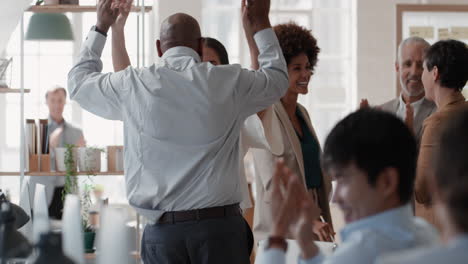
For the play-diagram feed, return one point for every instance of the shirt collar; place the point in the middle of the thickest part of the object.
(52, 122)
(413, 104)
(390, 221)
(461, 240)
(453, 98)
(181, 51)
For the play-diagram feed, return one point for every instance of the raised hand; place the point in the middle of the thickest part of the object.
(304, 233)
(255, 15)
(106, 16)
(124, 7)
(323, 230)
(364, 104)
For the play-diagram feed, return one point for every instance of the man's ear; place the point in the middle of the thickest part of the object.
(388, 182)
(158, 48)
(435, 74)
(200, 48)
(397, 66)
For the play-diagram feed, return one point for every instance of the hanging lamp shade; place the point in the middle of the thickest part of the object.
(49, 26)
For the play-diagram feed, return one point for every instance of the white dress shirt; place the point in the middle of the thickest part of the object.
(455, 252)
(366, 239)
(182, 120)
(401, 111)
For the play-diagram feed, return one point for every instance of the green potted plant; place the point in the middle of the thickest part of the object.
(88, 229)
(89, 159)
(72, 187)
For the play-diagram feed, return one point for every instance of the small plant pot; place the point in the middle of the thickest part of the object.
(89, 241)
(89, 159)
(60, 159)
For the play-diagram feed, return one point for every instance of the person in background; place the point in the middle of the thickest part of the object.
(445, 74)
(450, 197)
(371, 154)
(292, 136)
(411, 106)
(60, 133)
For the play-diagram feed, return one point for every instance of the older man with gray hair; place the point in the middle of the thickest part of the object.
(409, 67)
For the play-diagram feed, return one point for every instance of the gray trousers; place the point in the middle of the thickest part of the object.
(209, 241)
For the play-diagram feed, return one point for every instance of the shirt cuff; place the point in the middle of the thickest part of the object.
(95, 42)
(315, 260)
(273, 256)
(265, 38)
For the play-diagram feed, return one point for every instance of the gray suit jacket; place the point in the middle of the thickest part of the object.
(426, 109)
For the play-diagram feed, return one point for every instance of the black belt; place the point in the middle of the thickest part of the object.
(200, 214)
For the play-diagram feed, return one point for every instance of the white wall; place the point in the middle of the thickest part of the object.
(376, 47)
(169, 7)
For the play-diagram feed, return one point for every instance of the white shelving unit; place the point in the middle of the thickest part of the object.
(139, 8)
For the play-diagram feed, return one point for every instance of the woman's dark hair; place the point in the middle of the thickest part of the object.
(219, 48)
(451, 172)
(374, 140)
(451, 59)
(295, 40)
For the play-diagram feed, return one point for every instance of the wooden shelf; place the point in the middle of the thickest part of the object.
(54, 173)
(74, 9)
(11, 90)
(91, 256)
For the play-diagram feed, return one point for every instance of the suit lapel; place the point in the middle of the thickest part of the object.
(291, 134)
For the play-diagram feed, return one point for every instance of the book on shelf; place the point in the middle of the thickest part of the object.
(37, 145)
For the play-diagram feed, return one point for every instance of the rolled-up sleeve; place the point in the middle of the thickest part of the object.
(96, 92)
(260, 89)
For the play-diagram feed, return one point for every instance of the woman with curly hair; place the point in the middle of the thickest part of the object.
(292, 137)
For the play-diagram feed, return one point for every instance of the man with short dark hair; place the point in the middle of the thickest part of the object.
(371, 155)
(450, 195)
(182, 120)
(445, 74)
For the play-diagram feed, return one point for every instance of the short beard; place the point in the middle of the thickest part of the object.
(405, 90)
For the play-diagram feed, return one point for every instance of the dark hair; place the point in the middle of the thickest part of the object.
(295, 40)
(451, 172)
(219, 48)
(451, 59)
(374, 140)
(56, 89)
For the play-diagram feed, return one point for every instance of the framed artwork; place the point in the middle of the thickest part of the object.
(431, 22)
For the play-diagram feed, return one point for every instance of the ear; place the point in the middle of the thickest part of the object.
(387, 182)
(397, 66)
(200, 48)
(158, 47)
(435, 74)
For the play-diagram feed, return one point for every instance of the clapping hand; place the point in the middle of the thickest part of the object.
(106, 15)
(255, 15)
(124, 7)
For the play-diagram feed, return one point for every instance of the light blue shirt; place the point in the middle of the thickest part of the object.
(455, 252)
(182, 119)
(366, 239)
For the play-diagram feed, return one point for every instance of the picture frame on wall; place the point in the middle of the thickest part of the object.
(431, 22)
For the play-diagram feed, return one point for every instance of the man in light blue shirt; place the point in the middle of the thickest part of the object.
(182, 120)
(451, 198)
(372, 157)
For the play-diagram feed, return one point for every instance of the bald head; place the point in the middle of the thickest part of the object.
(179, 30)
